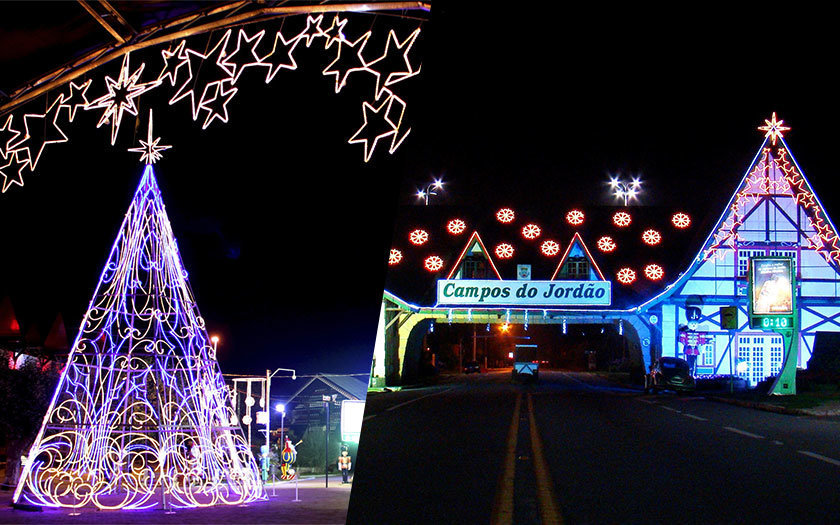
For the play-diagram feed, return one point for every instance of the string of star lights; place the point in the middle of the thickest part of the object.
(141, 416)
(209, 80)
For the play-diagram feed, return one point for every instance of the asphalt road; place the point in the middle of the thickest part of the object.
(577, 449)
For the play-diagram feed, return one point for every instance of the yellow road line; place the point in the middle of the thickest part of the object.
(549, 511)
(502, 512)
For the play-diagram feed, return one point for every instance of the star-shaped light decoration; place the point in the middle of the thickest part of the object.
(149, 149)
(242, 39)
(342, 68)
(7, 136)
(172, 72)
(387, 124)
(774, 128)
(398, 73)
(335, 33)
(193, 58)
(120, 96)
(313, 29)
(38, 135)
(11, 169)
(281, 55)
(75, 99)
(219, 100)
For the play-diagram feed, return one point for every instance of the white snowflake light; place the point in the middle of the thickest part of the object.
(504, 251)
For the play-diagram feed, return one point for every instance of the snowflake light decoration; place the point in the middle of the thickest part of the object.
(626, 276)
(606, 244)
(456, 226)
(654, 272)
(394, 257)
(418, 237)
(651, 237)
(622, 219)
(505, 215)
(531, 231)
(681, 220)
(549, 248)
(433, 263)
(575, 217)
(504, 251)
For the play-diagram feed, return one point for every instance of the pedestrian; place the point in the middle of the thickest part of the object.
(344, 465)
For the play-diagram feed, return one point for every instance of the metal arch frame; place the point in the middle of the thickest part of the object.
(147, 37)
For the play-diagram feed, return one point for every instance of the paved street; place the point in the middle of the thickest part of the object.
(577, 449)
(318, 505)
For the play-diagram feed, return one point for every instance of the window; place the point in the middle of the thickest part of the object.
(474, 268)
(708, 350)
(577, 268)
(744, 260)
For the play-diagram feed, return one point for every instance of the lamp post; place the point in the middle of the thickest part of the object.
(626, 190)
(268, 376)
(429, 190)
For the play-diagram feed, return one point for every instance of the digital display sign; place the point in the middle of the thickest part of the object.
(772, 286)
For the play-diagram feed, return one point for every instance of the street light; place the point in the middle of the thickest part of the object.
(268, 376)
(626, 190)
(430, 190)
(215, 341)
(280, 407)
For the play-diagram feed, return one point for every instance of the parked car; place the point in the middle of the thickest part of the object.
(472, 366)
(669, 373)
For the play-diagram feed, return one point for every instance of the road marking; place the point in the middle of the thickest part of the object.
(671, 409)
(698, 418)
(368, 417)
(820, 457)
(417, 399)
(776, 442)
(502, 513)
(743, 432)
(549, 513)
(648, 401)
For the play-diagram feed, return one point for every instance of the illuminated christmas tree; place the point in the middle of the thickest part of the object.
(141, 415)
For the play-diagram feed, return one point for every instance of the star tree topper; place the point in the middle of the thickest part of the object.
(149, 149)
(774, 128)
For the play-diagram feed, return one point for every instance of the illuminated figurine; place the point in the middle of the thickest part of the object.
(692, 341)
(344, 465)
(288, 457)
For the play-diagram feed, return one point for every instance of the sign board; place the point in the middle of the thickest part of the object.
(456, 292)
(771, 291)
(523, 272)
(352, 413)
(693, 313)
(729, 317)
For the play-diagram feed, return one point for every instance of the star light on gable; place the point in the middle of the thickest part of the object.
(120, 96)
(149, 148)
(40, 130)
(774, 128)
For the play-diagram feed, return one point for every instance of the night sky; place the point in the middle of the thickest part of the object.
(284, 229)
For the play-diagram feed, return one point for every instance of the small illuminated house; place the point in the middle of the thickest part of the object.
(659, 264)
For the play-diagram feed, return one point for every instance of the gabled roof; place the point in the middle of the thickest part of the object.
(348, 386)
(9, 326)
(57, 338)
(474, 246)
(577, 248)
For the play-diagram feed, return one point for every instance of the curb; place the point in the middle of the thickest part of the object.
(770, 408)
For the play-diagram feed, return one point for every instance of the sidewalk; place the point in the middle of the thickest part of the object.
(782, 405)
(318, 505)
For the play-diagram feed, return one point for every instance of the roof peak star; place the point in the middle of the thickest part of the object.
(774, 128)
(149, 149)
(120, 96)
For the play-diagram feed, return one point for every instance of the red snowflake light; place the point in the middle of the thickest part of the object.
(418, 237)
(549, 248)
(681, 220)
(575, 217)
(626, 276)
(456, 226)
(651, 237)
(622, 219)
(504, 251)
(606, 244)
(433, 263)
(394, 257)
(654, 272)
(505, 215)
(531, 231)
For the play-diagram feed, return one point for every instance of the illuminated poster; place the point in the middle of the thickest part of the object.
(772, 289)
